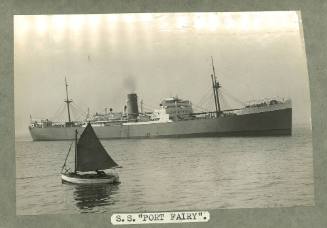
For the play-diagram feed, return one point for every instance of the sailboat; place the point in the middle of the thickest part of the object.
(91, 159)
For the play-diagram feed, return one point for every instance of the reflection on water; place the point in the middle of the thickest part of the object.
(172, 174)
(88, 197)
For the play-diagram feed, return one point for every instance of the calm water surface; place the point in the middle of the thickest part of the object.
(171, 174)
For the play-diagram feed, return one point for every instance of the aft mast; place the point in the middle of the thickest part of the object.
(215, 87)
(67, 101)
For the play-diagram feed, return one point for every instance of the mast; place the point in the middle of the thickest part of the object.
(67, 101)
(75, 150)
(215, 87)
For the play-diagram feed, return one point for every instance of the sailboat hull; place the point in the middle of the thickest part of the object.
(89, 179)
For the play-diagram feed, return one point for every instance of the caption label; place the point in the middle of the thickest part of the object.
(160, 217)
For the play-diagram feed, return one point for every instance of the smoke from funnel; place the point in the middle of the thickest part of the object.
(130, 84)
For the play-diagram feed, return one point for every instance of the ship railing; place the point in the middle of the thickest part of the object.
(100, 123)
(54, 124)
(213, 114)
(266, 102)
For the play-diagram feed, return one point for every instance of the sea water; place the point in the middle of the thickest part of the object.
(172, 174)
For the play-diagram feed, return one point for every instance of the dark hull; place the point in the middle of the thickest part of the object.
(269, 123)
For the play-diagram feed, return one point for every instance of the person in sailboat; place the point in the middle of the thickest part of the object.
(90, 155)
(100, 173)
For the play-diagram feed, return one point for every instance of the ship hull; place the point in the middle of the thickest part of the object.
(276, 122)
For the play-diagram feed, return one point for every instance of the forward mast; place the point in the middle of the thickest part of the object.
(68, 101)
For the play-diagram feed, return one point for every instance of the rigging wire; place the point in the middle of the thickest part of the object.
(204, 99)
(62, 114)
(66, 157)
(205, 96)
(148, 107)
(81, 111)
(209, 103)
(77, 113)
(59, 115)
(58, 111)
(74, 113)
(233, 98)
(224, 103)
(204, 109)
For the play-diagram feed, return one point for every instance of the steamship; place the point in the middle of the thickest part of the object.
(175, 118)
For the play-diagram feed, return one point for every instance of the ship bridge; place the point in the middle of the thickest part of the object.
(177, 108)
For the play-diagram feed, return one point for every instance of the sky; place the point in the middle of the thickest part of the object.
(104, 57)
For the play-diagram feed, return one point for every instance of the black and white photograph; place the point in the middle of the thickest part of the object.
(146, 112)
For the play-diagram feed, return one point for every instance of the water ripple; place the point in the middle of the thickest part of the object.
(173, 174)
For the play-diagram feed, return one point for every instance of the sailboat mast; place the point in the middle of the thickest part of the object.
(215, 86)
(67, 101)
(75, 150)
